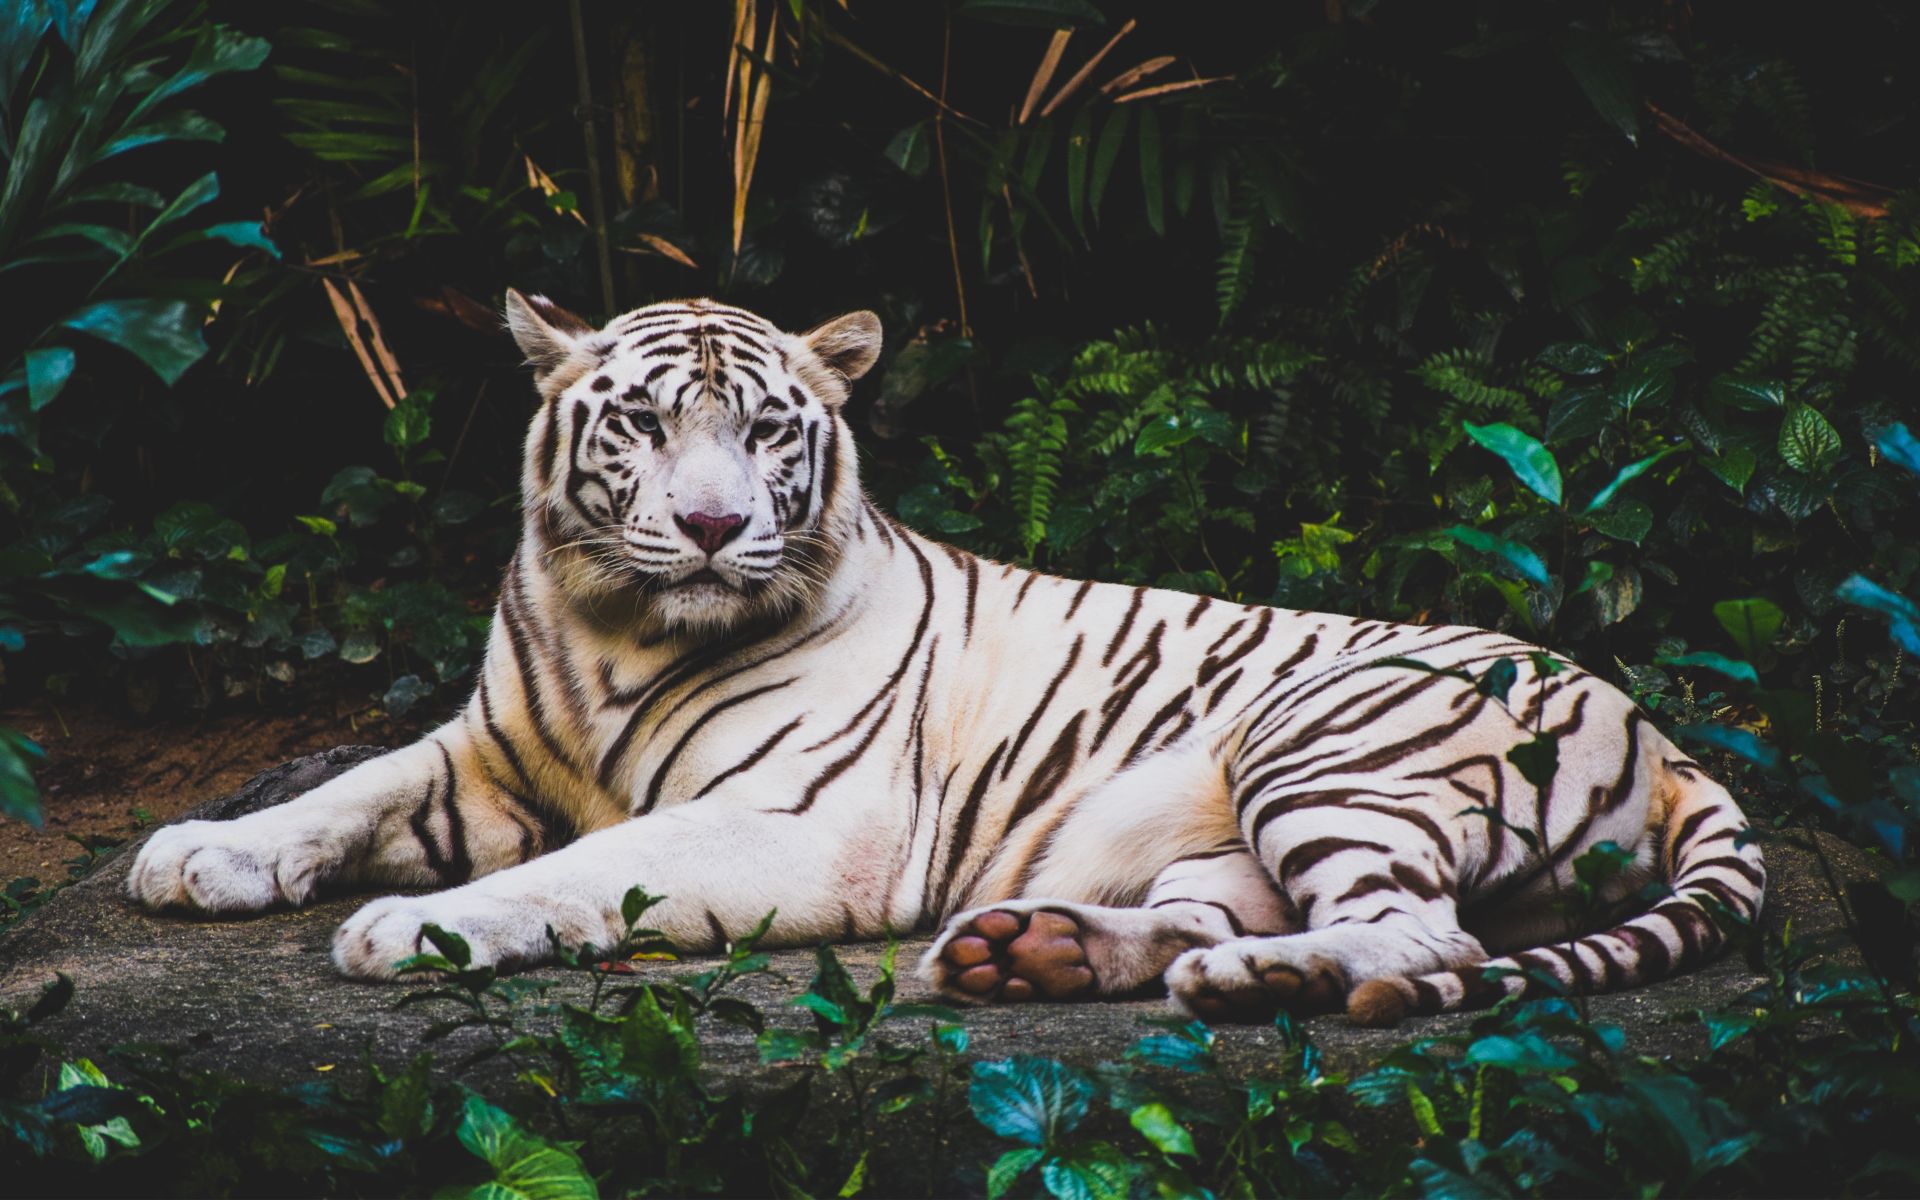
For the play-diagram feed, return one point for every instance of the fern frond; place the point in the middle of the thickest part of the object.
(1463, 375)
(1239, 240)
(1036, 444)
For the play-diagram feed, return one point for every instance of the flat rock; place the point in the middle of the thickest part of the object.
(259, 997)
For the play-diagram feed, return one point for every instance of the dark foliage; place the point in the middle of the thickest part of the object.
(1592, 320)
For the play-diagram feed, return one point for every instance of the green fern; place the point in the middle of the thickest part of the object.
(1037, 442)
(1239, 242)
(1463, 375)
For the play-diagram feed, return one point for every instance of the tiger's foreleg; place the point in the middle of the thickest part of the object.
(427, 814)
(1051, 950)
(720, 866)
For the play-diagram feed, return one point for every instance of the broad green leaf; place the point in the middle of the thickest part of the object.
(911, 149)
(1751, 623)
(1045, 14)
(1600, 65)
(359, 647)
(409, 421)
(1597, 573)
(1642, 385)
(1617, 596)
(1079, 146)
(1528, 1052)
(1088, 1177)
(1732, 668)
(1578, 412)
(250, 234)
(1574, 358)
(525, 1166)
(1900, 447)
(1733, 467)
(1532, 463)
(1028, 1099)
(1808, 441)
(1424, 1117)
(1537, 760)
(1523, 560)
(1739, 742)
(136, 620)
(201, 191)
(1748, 392)
(1498, 679)
(407, 691)
(173, 127)
(117, 241)
(1162, 434)
(1008, 1168)
(1151, 184)
(164, 334)
(1629, 520)
(1112, 136)
(1626, 475)
(1902, 614)
(48, 370)
(20, 756)
(217, 50)
(1156, 1123)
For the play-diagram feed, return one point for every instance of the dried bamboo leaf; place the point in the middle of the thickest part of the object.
(1043, 75)
(1184, 85)
(387, 361)
(756, 87)
(343, 313)
(655, 244)
(1079, 77)
(544, 184)
(1135, 74)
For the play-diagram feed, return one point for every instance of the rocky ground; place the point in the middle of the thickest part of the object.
(259, 997)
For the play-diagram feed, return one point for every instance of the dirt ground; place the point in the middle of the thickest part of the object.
(108, 774)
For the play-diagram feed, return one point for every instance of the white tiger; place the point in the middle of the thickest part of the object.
(718, 670)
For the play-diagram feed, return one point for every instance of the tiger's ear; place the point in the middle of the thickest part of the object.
(848, 345)
(546, 333)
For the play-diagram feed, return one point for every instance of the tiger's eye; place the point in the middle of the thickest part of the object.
(647, 421)
(766, 431)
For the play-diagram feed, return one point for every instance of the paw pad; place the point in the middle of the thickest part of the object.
(1000, 955)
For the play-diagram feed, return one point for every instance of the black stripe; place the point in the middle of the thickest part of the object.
(1046, 698)
(666, 764)
(963, 824)
(747, 763)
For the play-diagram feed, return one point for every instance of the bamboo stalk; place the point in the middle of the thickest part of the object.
(596, 203)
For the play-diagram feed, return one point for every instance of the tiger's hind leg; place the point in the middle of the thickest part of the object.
(1373, 876)
(1050, 950)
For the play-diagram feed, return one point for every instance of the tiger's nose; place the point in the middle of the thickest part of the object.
(708, 531)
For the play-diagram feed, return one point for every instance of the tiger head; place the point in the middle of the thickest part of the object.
(689, 469)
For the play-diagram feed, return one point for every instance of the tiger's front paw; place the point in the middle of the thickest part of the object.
(372, 943)
(1011, 952)
(239, 866)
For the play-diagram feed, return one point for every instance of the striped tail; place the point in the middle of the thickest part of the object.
(1705, 862)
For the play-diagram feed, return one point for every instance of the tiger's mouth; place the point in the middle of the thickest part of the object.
(704, 577)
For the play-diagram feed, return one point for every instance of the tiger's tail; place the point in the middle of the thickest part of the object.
(1704, 860)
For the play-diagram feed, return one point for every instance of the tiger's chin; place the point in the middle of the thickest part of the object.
(705, 605)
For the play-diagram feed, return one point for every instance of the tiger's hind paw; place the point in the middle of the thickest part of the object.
(1000, 954)
(1229, 984)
